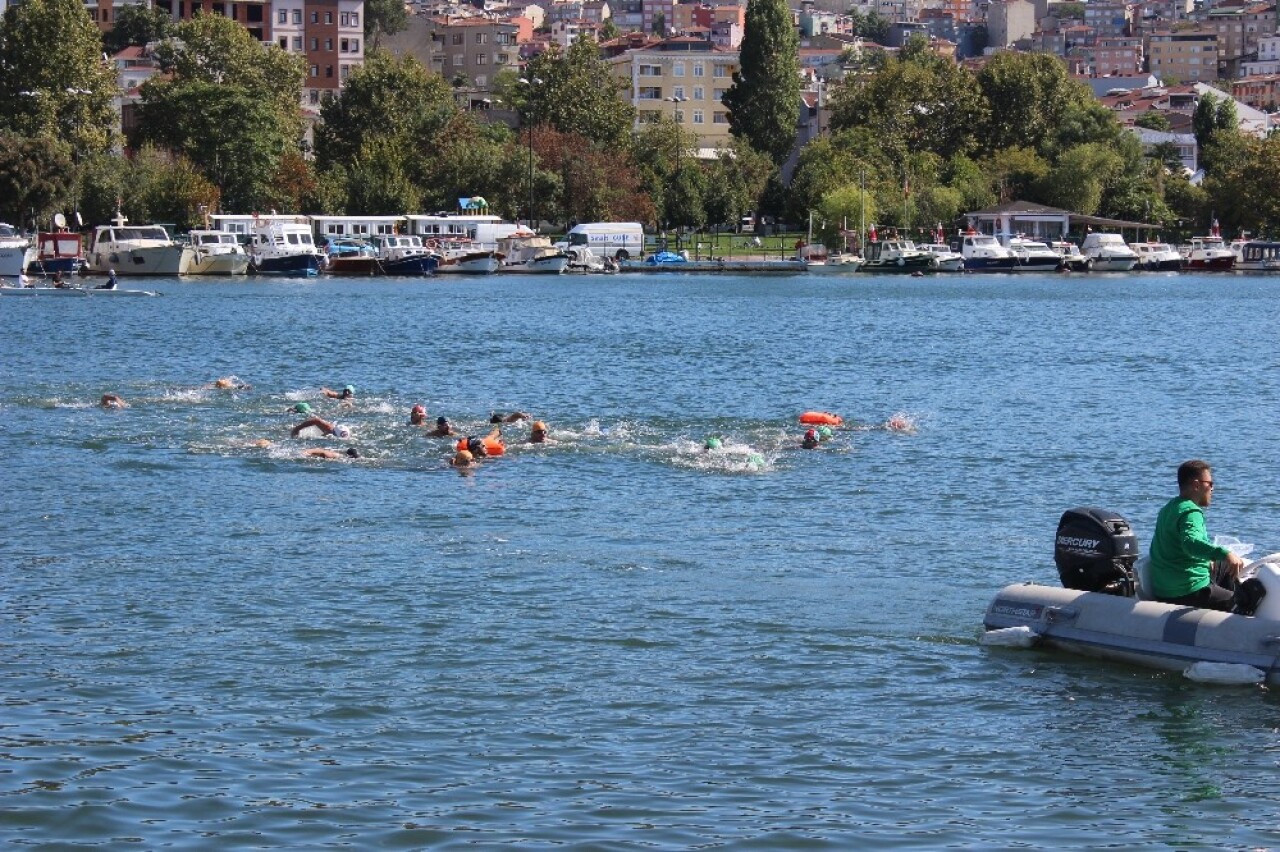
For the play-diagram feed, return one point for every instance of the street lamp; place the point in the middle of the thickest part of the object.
(523, 120)
(675, 183)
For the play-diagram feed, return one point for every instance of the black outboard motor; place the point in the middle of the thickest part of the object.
(1095, 551)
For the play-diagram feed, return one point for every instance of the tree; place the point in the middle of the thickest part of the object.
(1204, 121)
(229, 104)
(609, 30)
(764, 100)
(383, 17)
(1014, 172)
(1028, 94)
(735, 182)
(1153, 120)
(137, 25)
(848, 207)
(35, 178)
(53, 82)
(575, 92)
(1080, 177)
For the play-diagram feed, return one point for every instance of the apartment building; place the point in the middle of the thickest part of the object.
(1185, 56)
(476, 48)
(684, 79)
(1239, 29)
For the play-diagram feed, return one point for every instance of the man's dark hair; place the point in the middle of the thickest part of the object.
(1189, 471)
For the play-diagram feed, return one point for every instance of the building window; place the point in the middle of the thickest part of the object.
(344, 72)
(699, 93)
(283, 17)
(457, 38)
(458, 59)
(650, 93)
(328, 17)
(719, 117)
(698, 69)
(482, 59)
(328, 71)
(678, 116)
(355, 19)
(720, 93)
(297, 43)
(297, 16)
(677, 69)
(697, 116)
(503, 59)
(344, 45)
(315, 17)
(481, 38)
(313, 95)
(344, 19)
(315, 70)
(719, 71)
(481, 81)
(678, 92)
(315, 43)
(328, 44)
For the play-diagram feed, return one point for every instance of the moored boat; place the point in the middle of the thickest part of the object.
(1257, 256)
(136, 250)
(1157, 257)
(58, 250)
(404, 254)
(1108, 252)
(1073, 259)
(1208, 254)
(893, 255)
(944, 259)
(983, 253)
(1034, 256)
(530, 253)
(278, 244)
(216, 252)
(16, 252)
(351, 256)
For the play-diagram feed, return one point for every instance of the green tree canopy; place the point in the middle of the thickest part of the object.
(384, 17)
(574, 92)
(764, 101)
(1029, 94)
(53, 82)
(137, 25)
(35, 178)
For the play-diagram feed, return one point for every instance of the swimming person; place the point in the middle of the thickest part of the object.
(110, 400)
(229, 383)
(463, 458)
(300, 408)
(418, 416)
(496, 417)
(538, 433)
(713, 443)
(322, 453)
(442, 429)
(1183, 569)
(325, 426)
(810, 440)
(347, 393)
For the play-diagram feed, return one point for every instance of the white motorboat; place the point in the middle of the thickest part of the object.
(1257, 255)
(1034, 256)
(1157, 257)
(983, 253)
(530, 253)
(283, 247)
(404, 254)
(216, 252)
(1072, 258)
(16, 252)
(1108, 252)
(137, 250)
(895, 256)
(944, 259)
(458, 257)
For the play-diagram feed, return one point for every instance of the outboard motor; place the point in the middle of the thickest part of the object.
(1095, 551)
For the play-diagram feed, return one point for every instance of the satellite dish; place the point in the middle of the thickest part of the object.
(59, 221)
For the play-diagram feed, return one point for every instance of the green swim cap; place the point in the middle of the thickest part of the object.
(713, 444)
(302, 408)
(824, 432)
(755, 459)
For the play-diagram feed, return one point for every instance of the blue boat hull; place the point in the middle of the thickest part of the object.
(990, 264)
(296, 264)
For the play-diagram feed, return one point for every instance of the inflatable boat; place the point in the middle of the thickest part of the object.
(1102, 610)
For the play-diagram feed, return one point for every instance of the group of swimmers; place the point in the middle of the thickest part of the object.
(470, 449)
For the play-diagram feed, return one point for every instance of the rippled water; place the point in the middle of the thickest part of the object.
(618, 640)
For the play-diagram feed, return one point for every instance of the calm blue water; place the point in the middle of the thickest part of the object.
(617, 641)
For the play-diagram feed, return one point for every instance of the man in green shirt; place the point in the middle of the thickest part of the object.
(1182, 556)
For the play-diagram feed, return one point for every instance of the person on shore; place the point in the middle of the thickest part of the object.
(810, 440)
(322, 453)
(111, 281)
(327, 427)
(347, 394)
(442, 430)
(538, 433)
(418, 416)
(110, 400)
(1186, 567)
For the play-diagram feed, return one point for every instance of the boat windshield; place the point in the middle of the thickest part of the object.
(123, 234)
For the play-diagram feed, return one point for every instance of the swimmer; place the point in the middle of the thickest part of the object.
(418, 416)
(713, 443)
(228, 383)
(442, 429)
(300, 408)
(538, 433)
(513, 417)
(900, 423)
(325, 426)
(321, 453)
(825, 433)
(476, 446)
(110, 400)
(810, 440)
(463, 458)
(347, 393)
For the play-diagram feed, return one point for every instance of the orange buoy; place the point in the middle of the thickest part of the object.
(494, 447)
(821, 418)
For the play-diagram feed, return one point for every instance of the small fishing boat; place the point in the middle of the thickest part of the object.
(404, 254)
(216, 252)
(351, 256)
(58, 250)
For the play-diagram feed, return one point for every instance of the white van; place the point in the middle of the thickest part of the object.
(618, 240)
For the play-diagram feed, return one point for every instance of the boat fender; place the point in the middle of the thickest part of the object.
(902, 261)
(1229, 674)
(1021, 636)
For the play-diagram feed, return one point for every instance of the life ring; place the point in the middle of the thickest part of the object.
(821, 418)
(431, 244)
